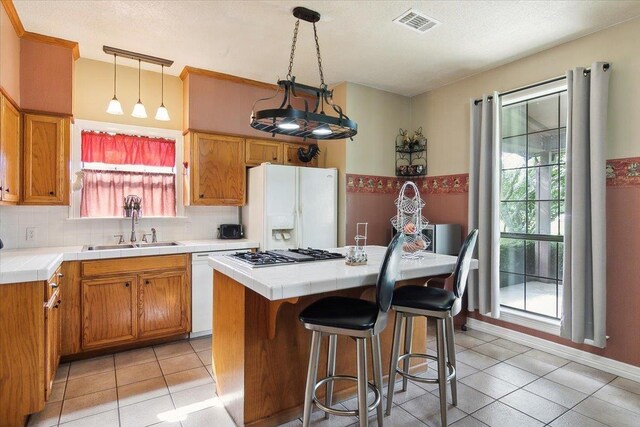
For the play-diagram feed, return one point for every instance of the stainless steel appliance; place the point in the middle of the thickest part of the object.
(230, 231)
(444, 238)
(280, 257)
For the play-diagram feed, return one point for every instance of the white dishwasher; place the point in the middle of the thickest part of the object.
(202, 292)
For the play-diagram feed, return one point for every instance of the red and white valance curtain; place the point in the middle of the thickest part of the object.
(104, 190)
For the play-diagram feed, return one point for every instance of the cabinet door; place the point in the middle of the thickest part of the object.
(218, 175)
(108, 311)
(46, 160)
(291, 155)
(52, 341)
(164, 304)
(9, 152)
(259, 151)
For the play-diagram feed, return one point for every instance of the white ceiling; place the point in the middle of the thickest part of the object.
(358, 40)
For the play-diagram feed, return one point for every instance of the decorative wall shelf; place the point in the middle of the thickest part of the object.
(411, 154)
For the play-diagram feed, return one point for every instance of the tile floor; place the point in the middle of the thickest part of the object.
(501, 384)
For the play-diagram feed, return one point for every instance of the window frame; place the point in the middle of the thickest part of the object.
(526, 95)
(76, 164)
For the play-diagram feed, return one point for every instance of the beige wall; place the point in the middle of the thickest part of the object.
(9, 57)
(444, 113)
(333, 154)
(378, 114)
(94, 88)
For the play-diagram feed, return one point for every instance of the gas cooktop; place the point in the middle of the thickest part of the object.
(279, 257)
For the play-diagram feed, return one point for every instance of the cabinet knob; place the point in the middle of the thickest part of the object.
(126, 285)
(51, 193)
(202, 196)
(274, 158)
(146, 282)
(53, 285)
(7, 190)
(60, 274)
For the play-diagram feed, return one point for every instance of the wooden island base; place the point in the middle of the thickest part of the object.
(260, 352)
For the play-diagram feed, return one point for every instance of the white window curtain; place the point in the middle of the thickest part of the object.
(484, 198)
(585, 280)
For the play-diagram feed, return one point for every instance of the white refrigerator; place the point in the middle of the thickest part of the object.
(292, 207)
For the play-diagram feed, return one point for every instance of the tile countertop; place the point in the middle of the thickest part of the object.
(294, 280)
(33, 264)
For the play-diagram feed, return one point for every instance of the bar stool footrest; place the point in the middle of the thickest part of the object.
(452, 370)
(344, 412)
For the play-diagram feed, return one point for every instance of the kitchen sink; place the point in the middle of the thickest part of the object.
(106, 247)
(128, 246)
(155, 245)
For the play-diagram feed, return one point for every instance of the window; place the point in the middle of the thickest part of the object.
(118, 160)
(532, 188)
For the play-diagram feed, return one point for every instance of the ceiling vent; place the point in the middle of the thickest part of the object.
(416, 21)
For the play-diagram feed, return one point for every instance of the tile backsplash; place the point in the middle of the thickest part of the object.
(53, 228)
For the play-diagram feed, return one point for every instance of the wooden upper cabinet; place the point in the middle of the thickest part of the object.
(109, 314)
(291, 155)
(9, 152)
(217, 175)
(164, 304)
(259, 151)
(46, 160)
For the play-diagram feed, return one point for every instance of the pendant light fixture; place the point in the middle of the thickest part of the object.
(114, 106)
(162, 114)
(138, 110)
(312, 122)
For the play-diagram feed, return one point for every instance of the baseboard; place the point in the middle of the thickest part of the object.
(580, 356)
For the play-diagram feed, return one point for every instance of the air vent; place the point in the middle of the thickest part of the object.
(416, 21)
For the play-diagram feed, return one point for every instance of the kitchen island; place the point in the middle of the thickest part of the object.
(260, 350)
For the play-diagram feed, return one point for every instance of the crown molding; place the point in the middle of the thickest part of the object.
(221, 76)
(41, 38)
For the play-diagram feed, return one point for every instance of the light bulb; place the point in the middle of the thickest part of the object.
(162, 114)
(322, 130)
(115, 107)
(289, 125)
(139, 110)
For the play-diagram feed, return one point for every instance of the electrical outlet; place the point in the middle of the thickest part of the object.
(31, 233)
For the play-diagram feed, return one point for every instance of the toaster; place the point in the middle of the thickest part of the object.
(230, 231)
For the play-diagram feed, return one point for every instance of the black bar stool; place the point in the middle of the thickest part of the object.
(358, 319)
(443, 305)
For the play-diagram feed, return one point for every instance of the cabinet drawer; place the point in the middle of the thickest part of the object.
(133, 265)
(54, 282)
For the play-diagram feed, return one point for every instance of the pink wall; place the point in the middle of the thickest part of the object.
(371, 199)
(224, 106)
(46, 75)
(9, 57)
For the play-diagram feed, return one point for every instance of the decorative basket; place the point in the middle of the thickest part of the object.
(409, 220)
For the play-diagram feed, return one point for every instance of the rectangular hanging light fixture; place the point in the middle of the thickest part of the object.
(139, 110)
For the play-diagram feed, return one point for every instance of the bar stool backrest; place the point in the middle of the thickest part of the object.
(389, 272)
(461, 272)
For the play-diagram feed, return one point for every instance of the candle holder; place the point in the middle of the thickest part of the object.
(356, 255)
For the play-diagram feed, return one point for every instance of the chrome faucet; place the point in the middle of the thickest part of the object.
(132, 205)
(134, 220)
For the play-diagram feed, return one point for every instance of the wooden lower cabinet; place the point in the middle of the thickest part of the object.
(109, 311)
(164, 302)
(29, 347)
(51, 340)
(113, 304)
